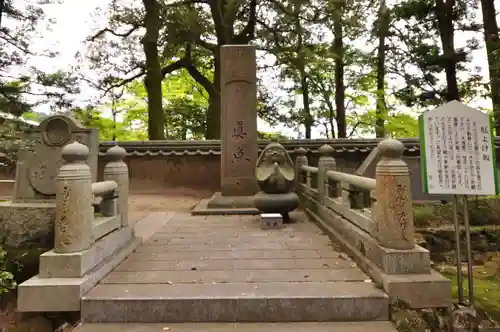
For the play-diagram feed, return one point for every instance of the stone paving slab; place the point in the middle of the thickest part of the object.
(242, 327)
(241, 276)
(226, 269)
(235, 290)
(235, 250)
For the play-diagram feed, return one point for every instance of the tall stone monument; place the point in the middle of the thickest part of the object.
(238, 129)
(28, 219)
(39, 163)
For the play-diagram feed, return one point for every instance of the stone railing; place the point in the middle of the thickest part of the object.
(88, 244)
(77, 226)
(373, 220)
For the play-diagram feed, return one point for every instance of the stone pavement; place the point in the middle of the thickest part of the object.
(226, 269)
(242, 327)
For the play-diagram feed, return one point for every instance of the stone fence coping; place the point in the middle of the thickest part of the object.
(103, 188)
(355, 180)
(213, 147)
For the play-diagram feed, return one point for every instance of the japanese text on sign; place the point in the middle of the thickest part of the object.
(456, 151)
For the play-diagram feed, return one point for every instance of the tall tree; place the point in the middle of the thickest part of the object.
(382, 30)
(190, 31)
(422, 48)
(153, 78)
(22, 87)
(338, 50)
(492, 41)
(445, 12)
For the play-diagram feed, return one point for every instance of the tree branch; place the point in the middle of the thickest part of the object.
(124, 81)
(247, 34)
(114, 33)
(187, 63)
(209, 46)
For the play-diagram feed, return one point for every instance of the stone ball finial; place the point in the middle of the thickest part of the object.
(326, 150)
(116, 153)
(391, 148)
(75, 152)
(301, 151)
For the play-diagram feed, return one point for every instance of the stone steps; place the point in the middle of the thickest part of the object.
(242, 327)
(235, 302)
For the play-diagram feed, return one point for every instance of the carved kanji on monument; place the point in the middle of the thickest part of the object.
(239, 120)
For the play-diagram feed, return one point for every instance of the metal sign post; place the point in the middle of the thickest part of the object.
(458, 158)
(458, 260)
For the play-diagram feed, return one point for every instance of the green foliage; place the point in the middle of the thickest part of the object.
(7, 282)
(298, 36)
(21, 90)
(397, 124)
(272, 136)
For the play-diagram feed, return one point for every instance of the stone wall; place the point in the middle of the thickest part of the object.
(157, 166)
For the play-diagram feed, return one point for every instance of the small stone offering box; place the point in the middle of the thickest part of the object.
(271, 221)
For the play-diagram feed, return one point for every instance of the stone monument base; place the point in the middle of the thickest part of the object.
(64, 278)
(27, 224)
(225, 205)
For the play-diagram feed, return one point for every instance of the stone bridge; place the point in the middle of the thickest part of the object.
(349, 254)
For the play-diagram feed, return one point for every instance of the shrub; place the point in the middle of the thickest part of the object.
(7, 282)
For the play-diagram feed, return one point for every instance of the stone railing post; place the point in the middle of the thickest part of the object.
(74, 212)
(393, 209)
(326, 162)
(300, 160)
(116, 170)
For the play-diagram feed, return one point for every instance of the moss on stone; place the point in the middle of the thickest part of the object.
(23, 263)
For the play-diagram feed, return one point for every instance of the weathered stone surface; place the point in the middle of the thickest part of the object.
(105, 225)
(74, 211)
(242, 327)
(239, 120)
(390, 261)
(423, 291)
(116, 170)
(225, 268)
(27, 225)
(74, 265)
(275, 175)
(39, 163)
(256, 302)
(64, 294)
(218, 207)
(393, 213)
(218, 200)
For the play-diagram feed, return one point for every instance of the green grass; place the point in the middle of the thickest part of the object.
(486, 286)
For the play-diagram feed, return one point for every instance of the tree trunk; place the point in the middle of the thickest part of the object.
(213, 120)
(338, 49)
(154, 77)
(308, 119)
(493, 49)
(444, 13)
(381, 110)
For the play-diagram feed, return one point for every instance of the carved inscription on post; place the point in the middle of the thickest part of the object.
(401, 202)
(63, 229)
(239, 120)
